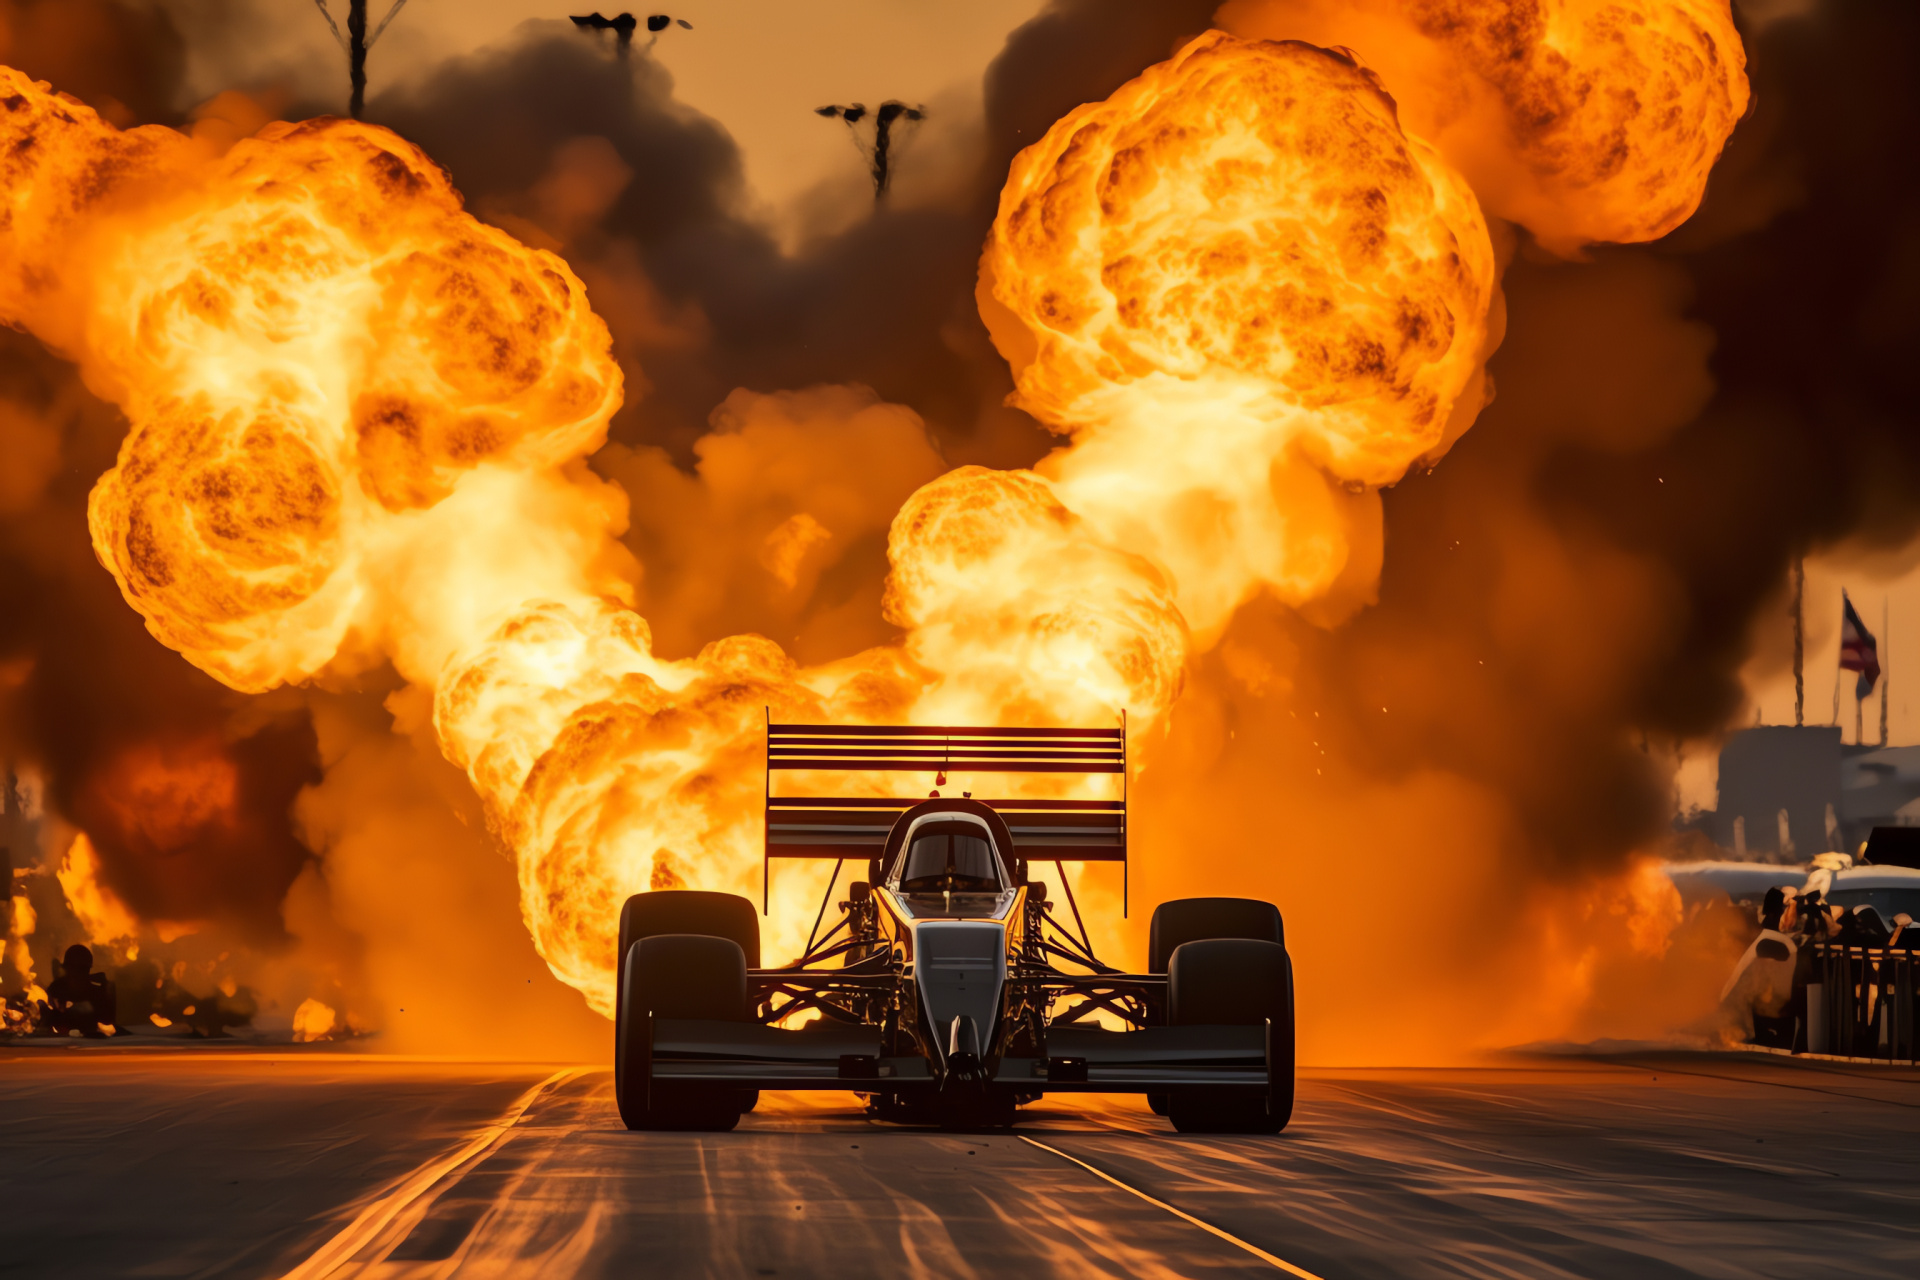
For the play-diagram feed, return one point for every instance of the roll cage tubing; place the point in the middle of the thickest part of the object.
(847, 829)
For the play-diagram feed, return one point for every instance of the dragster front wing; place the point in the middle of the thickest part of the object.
(845, 1056)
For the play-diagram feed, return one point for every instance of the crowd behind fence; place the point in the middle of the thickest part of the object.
(1862, 1005)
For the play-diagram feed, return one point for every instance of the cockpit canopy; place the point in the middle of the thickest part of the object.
(951, 855)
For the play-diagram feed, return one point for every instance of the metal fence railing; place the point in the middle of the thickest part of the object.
(1862, 1005)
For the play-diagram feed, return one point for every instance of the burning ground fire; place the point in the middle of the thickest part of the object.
(175, 975)
(1245, 290)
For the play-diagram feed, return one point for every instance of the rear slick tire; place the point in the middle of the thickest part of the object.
(1234, 982)
(676, 976)
(1185, 920)
(663, 911)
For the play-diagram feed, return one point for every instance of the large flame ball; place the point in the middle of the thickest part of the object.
(312, 340)
(1583, 120)
(1245, 226)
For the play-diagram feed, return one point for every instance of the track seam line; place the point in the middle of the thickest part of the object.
(1780, 1084)
(1182, 1214)
(374, 1219)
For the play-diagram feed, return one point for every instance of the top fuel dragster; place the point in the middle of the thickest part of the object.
(949, 991)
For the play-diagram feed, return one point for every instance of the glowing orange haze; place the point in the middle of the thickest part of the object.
(359, 416)
(164, 800)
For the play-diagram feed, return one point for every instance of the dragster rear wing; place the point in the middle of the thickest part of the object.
(856, 828)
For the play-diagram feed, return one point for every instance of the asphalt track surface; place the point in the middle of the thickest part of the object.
(263, 1164)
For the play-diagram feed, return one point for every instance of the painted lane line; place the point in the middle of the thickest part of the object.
(1184, 1216)
(375, 1218)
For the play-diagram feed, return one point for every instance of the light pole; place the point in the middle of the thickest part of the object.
(356, 41)
(878, 152)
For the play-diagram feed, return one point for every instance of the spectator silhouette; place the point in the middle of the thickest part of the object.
(79, 999)
(1758, 997)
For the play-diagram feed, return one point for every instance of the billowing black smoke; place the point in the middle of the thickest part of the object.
(1805, 264)
(1625, 519)
(887, 303)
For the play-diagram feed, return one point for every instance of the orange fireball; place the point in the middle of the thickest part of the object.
(1238, 262)
(1022, 615)
(1584, 120)
(312, 340)
(608, 771)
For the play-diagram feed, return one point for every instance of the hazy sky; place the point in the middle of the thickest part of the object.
(758, 66)
(1886, 590)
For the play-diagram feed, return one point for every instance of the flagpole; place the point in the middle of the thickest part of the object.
(1849, 629)
(1838, 658)
(1886, 665)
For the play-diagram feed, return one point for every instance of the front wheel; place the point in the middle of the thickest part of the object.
(1235, 982)
(675, 976)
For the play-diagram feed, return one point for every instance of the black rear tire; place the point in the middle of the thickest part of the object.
(718, 915)
(1234, 982)
(675, 976)
(1187, 920)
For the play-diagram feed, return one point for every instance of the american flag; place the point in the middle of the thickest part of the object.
(1858, 649)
